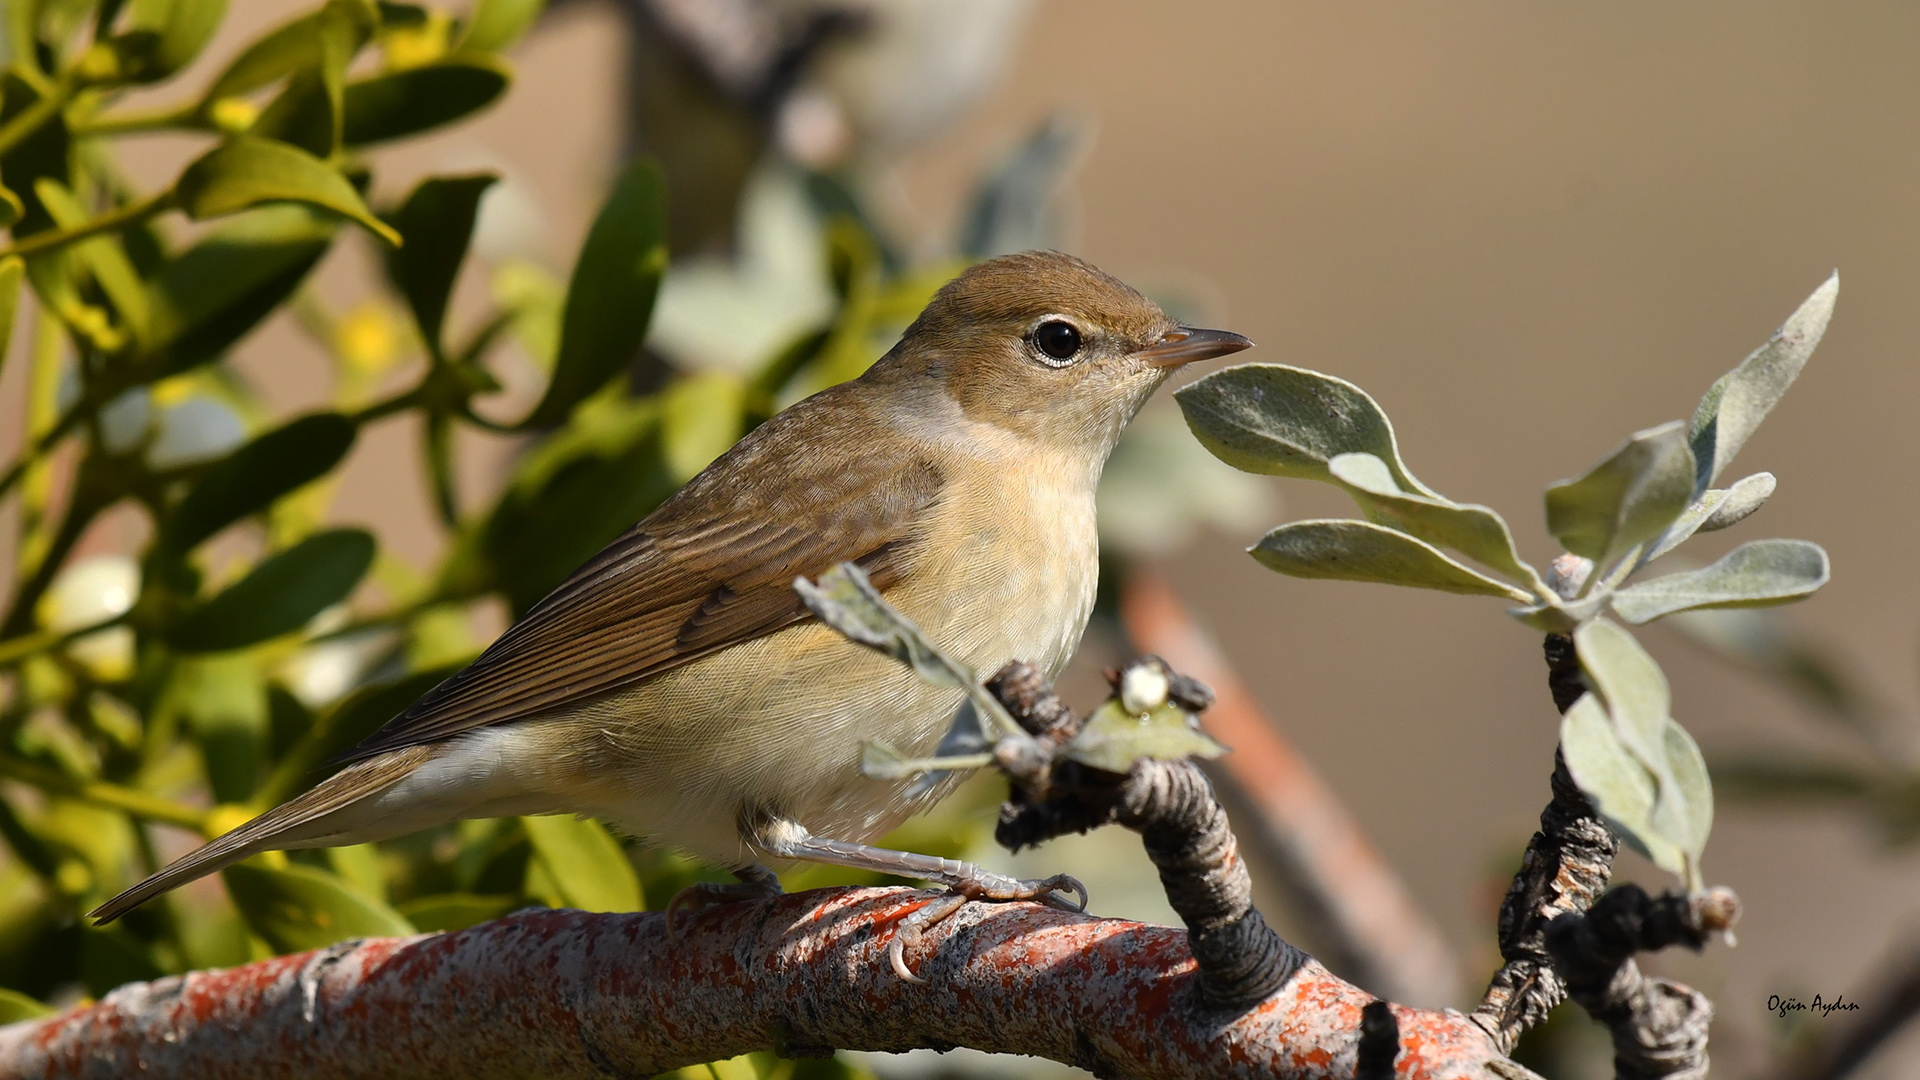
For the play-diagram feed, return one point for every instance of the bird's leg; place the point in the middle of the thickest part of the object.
(756, 883)
(790, 840)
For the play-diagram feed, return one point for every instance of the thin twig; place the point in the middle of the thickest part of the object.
(104, 793)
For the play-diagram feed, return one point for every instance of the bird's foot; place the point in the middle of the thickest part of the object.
(979, 885)
(789, 839)
(756, 883)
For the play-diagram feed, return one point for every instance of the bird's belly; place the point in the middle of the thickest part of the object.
(776, 725)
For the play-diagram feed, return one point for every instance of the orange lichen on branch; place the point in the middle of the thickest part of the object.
(564, 994)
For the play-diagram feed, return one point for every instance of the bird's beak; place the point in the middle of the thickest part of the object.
(1189, 343)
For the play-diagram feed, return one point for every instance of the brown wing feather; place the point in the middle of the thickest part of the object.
(712, 567)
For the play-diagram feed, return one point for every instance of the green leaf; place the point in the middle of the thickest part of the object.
(102, 256)
(1626, 500)
(11, 268)
(166, 35)
(584, 864)
(1617, 783)
(1742, 499)
(1474, 531)
(1114, 739)
(494, 25)
(251, 478)
(301, 907)
(438, 220)
(610, 297)
(456, 911)
(280, 595)
(247, 172)
(1363, 551)
(1755, 574)
(400, 103)
(310, 112)
(1692, 789)
(213, 293)
(16, 1006)
(1632, 686)
(11, 209)
(701, 416)
(1736, 403)
(1288, 421)
(288, 48)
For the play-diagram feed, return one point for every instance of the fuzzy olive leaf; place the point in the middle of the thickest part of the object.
(610, 295)
(1113, 739)
(1631, 685)
(1362, 551)
(209, 296)
(301, 907)
(1743, 498)
(1615, 780)
(494, 25)
(438, 216)
(1288, 421)
(1715, 509)
(1755, 574)
(247, 172)
(1736, 403)
(251, 478)
(584, 864)
(1691, 787)
(280, 595)
(845, 600)
(406, 102)
(1474, 531)
(1626, 500)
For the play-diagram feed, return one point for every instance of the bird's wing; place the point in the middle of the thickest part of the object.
(712, 567)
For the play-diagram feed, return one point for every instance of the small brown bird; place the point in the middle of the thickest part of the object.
(676, 686)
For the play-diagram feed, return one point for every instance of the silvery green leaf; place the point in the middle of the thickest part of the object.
(1628, 499)
(1743, 498)
(1736, 403)
(846, 601)
(1363, 551)
(1692, 787)
(1114, 738)
(1632, 686)
(1474, 531)
(880, 761)
(1617, 783)
(1755, 574)
(1288, 421)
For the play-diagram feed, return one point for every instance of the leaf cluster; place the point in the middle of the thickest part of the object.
(1645, 499)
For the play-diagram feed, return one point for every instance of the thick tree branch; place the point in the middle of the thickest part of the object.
(564, 994)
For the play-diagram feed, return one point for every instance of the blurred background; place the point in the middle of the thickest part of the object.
(1526, 229)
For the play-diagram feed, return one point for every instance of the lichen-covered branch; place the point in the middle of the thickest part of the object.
(1566, 866)
(1659, 1027)
(565, 994)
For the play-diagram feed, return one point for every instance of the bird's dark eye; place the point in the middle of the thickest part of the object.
(1057, 339)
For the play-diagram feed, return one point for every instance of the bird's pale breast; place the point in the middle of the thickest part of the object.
(1007, 570)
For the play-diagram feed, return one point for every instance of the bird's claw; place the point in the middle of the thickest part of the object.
(991, 888)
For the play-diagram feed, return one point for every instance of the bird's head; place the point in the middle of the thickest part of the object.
(1048, 347)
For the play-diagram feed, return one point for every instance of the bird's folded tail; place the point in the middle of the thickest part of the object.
(269, 830)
